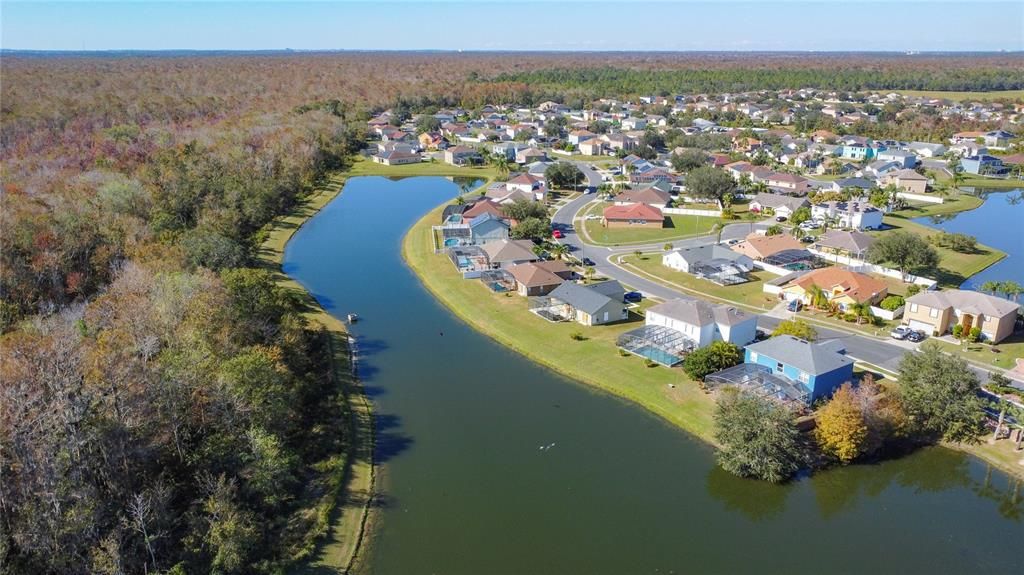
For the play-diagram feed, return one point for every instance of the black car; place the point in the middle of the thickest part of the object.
(587, 261)
(632, 296)
(780, 219)
(916, 336)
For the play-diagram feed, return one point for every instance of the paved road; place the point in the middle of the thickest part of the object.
(884, 353)
(593, 178)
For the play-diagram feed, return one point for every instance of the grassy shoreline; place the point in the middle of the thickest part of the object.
(342, 514)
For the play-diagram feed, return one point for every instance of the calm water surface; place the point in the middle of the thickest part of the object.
(468, 490)
(999, 223)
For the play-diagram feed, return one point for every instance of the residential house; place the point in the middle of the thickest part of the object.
(819, 368)
(508, 149)
(777, 204)
(593, 147)
(927, 149)
(998, 139)
(634, 123)
(906, 180)
(461, 155)
(713, 262)
(619, 142)
(857, 214)
(904, 158)
(481, 207)
(841, 184)
(504, 253)
(840, 286)
(539, 278)
(881, 167)
(633, 215)
(592, 304)
(936, 312)
(576, 137)
(397, 156)
(704, 323)
(651, 196)
(487, 228)
(852, 244)
(432, 141)
(968, 149)
(856, 152)
(758, 247)
(788, 183)
(966, 137)
(529, 155)
(982, 165)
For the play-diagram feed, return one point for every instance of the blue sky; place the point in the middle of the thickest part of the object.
(521, 25)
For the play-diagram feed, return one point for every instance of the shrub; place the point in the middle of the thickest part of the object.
(758, 437)
(577, 336)
(850, 317)
(650, 363)
(958, 331)
(974, 335)
(892, 303)
(913, 289)
(623, 352)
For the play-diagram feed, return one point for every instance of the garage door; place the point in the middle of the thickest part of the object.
(923, 326)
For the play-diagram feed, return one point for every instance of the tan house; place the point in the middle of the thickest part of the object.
(907, 181)
(758, 247)
(539, 278)
(841, 287)
(633, 215)
(936, 312)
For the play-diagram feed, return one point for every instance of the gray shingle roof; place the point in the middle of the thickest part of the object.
(589, 299)
(812, 358)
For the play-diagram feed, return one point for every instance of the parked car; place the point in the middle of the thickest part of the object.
(587, 261)
(780, 218)
(557, 234)
(916, 336)
(809, 225)
(807, 239)
(901, 332)
(794, 305)
(732, 242)
(632, 296)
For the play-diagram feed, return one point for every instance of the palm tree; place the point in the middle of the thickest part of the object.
(991, 287)
(1012, 289)
(500, 163)
(559, 250)
(816, 297)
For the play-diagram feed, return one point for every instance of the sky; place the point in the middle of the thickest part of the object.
(822, 25)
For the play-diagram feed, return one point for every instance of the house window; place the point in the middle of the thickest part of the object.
(934, 312)
(778, 366)
(804, 377)
(913, 308)
(753, 356)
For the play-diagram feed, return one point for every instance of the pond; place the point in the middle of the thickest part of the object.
(999, 222)
(492, 464)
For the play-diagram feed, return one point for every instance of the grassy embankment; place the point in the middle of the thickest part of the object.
(594, 361)
(342, 510)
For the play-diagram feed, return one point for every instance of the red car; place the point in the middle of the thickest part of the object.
(557, 234)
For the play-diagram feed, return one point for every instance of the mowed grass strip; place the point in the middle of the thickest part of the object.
(594, 361)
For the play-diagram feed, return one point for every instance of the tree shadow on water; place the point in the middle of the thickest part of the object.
(389, 440)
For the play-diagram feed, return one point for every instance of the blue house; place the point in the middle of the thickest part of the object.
(856, 152)
(820, 368)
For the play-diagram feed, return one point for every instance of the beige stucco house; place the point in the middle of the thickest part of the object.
(936, 312)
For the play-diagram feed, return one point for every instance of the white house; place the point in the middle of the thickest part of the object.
(857, 214)
(704, 323)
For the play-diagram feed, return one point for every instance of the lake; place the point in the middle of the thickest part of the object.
(468, 489)
(999, 222)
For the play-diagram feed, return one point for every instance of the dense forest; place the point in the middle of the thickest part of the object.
(164, 406)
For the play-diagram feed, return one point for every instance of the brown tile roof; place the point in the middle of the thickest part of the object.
(857, 286)
(633, 212)
(534, 275)
(759, 247)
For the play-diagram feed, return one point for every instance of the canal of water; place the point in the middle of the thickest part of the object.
(493, 464)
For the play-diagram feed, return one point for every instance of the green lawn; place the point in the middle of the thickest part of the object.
(749, 294)
(676, 227)
(1010, 349)
(960, 96)
(952, 204)
(954, 267)
(594, 361)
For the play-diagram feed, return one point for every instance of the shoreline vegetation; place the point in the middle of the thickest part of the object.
(342, 513)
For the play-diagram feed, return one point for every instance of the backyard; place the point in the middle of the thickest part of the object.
(749, 294)
(954, 267)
